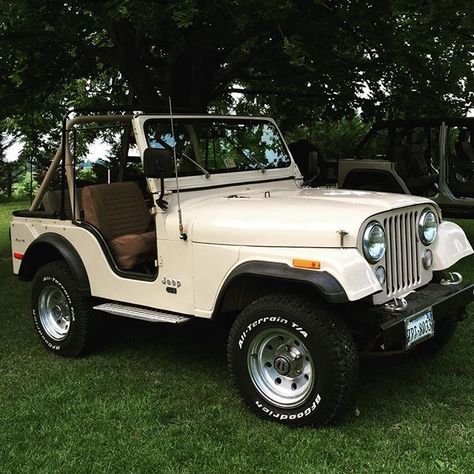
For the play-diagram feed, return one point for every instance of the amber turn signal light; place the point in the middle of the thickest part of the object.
(311, 264)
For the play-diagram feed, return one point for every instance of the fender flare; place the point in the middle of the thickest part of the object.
(323, 282)
(48, 247)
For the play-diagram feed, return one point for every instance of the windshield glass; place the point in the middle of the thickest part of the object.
(219, 145)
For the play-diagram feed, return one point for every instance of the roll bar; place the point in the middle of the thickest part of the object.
(63, 156)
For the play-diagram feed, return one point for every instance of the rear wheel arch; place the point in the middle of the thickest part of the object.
(252, 280)
(50, 247)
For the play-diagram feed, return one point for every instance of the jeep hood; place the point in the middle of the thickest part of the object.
(291, 218)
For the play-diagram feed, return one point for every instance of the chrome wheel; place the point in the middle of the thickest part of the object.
(54, 313)
(281, 367)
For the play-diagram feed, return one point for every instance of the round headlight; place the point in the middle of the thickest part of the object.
(428, 227)
(374, 242)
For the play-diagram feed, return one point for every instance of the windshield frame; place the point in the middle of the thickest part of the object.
(222, 178)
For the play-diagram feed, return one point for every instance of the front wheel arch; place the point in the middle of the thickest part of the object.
(252, 280)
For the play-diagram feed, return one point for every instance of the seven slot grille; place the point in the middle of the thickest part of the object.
(402, 254)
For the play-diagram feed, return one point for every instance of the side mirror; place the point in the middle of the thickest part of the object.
(158, 163)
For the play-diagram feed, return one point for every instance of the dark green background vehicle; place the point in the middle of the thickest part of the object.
(425, 157)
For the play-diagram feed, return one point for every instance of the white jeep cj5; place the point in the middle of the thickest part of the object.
(311, 278)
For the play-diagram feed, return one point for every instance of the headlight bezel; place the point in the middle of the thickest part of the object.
(370, 227)
(421, 226)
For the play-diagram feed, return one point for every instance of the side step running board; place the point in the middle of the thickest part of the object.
(145, 314)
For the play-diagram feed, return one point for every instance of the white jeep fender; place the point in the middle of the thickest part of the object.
(346, 266)
(450, 246)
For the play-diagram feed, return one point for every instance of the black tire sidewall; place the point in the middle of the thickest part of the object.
(54, 275)
(313, 409)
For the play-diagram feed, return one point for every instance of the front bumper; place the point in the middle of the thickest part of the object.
(445, 301)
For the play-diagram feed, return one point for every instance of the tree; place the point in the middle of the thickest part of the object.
(298, 60)
(11, 172)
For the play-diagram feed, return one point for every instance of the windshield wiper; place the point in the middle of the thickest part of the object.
(206, 173)
(263, 168)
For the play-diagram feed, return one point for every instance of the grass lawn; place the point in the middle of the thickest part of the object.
(155, 398)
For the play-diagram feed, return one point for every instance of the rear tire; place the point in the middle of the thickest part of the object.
(292, 361)
(62, 314)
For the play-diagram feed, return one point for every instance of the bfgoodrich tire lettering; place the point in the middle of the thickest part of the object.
(316, 336)
(70, 335)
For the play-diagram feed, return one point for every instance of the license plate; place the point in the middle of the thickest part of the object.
(418, 328)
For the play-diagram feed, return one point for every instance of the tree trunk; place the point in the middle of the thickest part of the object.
(190, 76)
(9, 181)
(128, 56)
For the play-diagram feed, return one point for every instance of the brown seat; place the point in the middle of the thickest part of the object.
(52, 202)
(119, 211)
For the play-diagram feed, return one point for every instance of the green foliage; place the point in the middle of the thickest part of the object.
(11, 172)
(337, 139)
(183, 12)
(300, 62)
(304, 58)
(27, 186)
(86, 175)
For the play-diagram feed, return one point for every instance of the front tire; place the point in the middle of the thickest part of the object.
(62, 314)
(292, 361)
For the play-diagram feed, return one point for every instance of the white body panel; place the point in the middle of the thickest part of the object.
(292, 217)
(104, 283)
(450, 247)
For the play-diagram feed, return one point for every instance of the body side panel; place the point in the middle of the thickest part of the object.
(212, 263)
(175, 264)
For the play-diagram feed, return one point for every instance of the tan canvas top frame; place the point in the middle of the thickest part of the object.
(66, 152)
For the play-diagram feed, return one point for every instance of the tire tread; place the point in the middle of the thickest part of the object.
(82, 307)
(345, 361)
